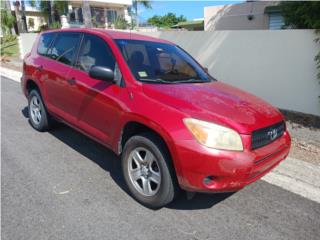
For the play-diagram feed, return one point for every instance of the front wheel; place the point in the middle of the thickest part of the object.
(148, 170)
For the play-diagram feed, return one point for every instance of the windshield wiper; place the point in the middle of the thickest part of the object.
(191, 80)
(157, 80)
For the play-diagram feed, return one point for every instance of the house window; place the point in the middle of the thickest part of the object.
(276, 21)
(111, 15)
(98, 17)
(76, 15)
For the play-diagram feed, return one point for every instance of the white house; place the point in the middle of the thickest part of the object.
(103, 12)
(34, 17)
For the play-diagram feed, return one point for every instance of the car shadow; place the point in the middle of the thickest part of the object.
(111, 163)
(199, 201)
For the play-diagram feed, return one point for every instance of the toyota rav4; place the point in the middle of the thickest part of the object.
(174, 125)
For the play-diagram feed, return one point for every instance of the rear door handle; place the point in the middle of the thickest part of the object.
(72, 81)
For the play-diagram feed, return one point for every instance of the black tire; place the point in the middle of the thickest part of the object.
(168, 187)
(44, 123)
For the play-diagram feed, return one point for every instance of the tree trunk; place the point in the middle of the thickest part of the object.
(52, 11)
(49, 13)
(18, 16)
(86, 14)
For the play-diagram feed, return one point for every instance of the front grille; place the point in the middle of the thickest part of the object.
(264, 136)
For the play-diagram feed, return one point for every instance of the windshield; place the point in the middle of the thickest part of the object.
(160, 62)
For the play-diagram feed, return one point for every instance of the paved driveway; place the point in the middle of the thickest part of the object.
(62, 185)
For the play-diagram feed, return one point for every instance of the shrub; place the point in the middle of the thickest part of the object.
(120, 23)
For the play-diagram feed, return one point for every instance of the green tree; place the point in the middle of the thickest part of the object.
(167, 20)
(120, 23)
(7, 21)
(303, 15)
(52, 9)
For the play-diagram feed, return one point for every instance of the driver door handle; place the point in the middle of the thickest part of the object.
(40, 68)
(72, 81)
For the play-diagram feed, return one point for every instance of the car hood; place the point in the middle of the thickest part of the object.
(216, 102)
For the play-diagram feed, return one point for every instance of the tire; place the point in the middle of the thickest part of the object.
(38, 115)
(141, 182)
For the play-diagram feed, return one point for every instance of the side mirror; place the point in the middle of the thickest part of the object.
(101, 73)
(206, 70)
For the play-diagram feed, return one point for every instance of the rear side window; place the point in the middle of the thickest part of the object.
(44, 43)
(65, 47)
(94, 52)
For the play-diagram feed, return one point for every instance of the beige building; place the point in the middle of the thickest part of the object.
(249, 15)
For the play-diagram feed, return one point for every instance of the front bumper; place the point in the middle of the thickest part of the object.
(227, 170)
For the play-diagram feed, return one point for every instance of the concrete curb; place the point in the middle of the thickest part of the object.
(20, 47)
(297, 176)
(9, 73)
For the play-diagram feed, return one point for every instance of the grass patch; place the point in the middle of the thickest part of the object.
(10, 48)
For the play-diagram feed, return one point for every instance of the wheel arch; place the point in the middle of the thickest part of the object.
(31, 85)
(134, 127)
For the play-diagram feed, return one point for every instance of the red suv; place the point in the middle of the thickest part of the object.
(173, 124)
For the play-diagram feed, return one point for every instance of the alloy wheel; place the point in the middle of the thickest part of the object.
(144, 171)
(35, 110)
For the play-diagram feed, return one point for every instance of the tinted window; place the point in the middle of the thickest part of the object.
(161, 62)
(65, 47)
(44, 43)
(95, 52)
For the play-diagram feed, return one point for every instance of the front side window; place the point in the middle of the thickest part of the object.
(65, 47)
(160, 62)
(44, 43)
(94, 52)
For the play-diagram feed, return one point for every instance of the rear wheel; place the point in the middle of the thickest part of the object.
(38, 116)
(148, 171)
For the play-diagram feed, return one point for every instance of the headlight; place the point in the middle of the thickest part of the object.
(214, 136)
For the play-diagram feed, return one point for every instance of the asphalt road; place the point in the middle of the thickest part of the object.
(62, 185)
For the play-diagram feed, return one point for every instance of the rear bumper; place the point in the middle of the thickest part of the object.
(228, 170)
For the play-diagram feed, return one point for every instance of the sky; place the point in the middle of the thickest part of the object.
(190, 9)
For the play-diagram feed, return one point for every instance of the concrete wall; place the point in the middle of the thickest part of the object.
(26, 41)
(277, 66)
(235, 16)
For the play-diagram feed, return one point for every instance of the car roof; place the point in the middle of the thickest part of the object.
(114, 34)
